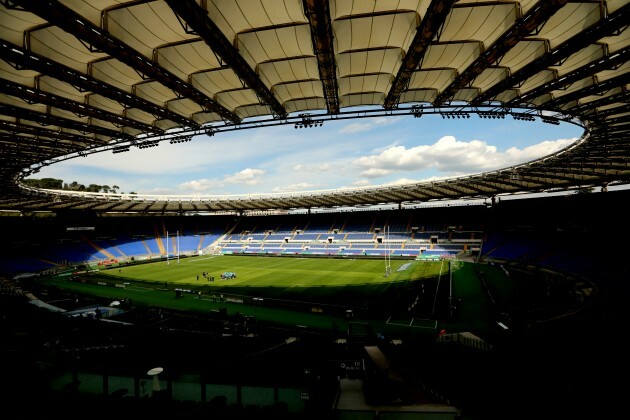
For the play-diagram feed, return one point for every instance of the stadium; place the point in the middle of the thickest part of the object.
(495, 295)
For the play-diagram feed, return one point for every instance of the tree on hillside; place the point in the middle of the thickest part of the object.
(46, 183)
(59, 184)
(75, 186)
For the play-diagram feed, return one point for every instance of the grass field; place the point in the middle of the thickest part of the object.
(324, 281)
(283, 272)
(317, 292)
(276, 288)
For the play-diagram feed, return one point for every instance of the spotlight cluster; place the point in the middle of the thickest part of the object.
(120, 149)
(523, 117)
(491, 114)
(182, 139)
(416, 111)
(455, 114)
(149, 143)
(307, 121)
(549, 120)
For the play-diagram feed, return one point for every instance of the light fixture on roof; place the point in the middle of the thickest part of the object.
(455, 114)
(120, 149)
(147, 144)
(182, 139)
(491, 114)
(417, 111)
(549, 120)
(523, 117)
(308, 121)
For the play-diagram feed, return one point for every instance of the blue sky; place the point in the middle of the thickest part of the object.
(342, 153)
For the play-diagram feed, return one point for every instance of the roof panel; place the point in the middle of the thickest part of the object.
(369, 46)
(236, 16)
(374, 32)
(52, 85)
(569, 21)
(91, 9)
(23, 77)
(614, 5)
(419, 95)
(483, 23)
(370, 83)
(235, 98)
(276, 72)
(215, 81)
(185, 59)
(60, 46)
(305, 104)
(489, 77)
(617, 42)
(154, 92)
(347, 8)
(274, 44)
(146, 26)
(581, 58)
(523, 53)
(432, 79)
(254, 110)
(14, 23)
(544, 76)
(465, 95)
(384, 60)
(206, 117)
(362, 99)
(507, 95)
(609, 74)
(291, 91)
(457, 55)
(14, 101)
(115, 73)
(183, 106)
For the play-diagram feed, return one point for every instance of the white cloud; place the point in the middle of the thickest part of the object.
(536, 151)
(301, 186)
(376, 172)
(320, 167)
(453, 157)
(366, 126)
(201, 185)
(249, 176)
(361, 183)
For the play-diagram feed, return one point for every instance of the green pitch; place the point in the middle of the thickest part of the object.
(314, 292)
(318, 280)
(278, 271)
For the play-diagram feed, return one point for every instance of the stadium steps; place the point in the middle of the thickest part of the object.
(122, 254)
(158, 240)
(174, 245)
(98, 248)
(146, 246)
(201, 238)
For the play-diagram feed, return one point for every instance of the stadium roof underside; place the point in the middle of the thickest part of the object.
(91, 76)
